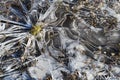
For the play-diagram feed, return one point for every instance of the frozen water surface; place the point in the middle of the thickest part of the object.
(59, 40)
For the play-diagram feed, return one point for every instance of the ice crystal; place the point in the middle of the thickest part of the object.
(59, 40)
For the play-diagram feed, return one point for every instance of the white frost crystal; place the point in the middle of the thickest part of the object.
(60, 40)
